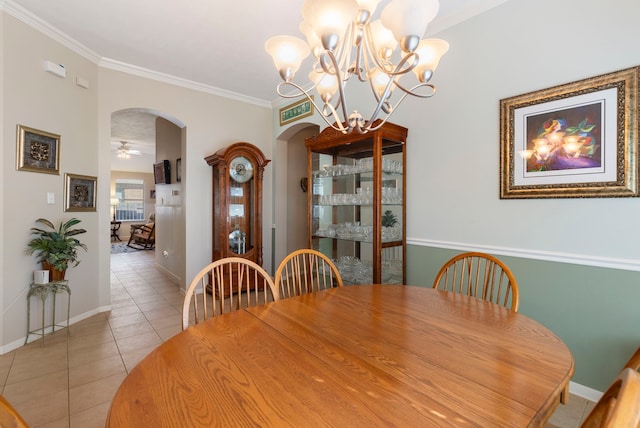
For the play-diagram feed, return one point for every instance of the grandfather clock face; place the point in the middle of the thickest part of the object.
(241, 169)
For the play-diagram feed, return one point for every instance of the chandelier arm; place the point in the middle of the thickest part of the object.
(381, 100)
(415, 94)
(399, 70)
(375, 128)
(386, 108)
(342, 99)
(369, 126)
(338, 123)
(344, 52)
(295, 85)
(361, 63)
(371, 50)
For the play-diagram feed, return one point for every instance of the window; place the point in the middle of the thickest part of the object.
(130, 195)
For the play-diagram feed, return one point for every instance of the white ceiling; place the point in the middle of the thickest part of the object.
(213, 43)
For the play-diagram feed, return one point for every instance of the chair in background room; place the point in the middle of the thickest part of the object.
(619, 406)
(479, 275)
(143, 237)
(9, 417)
(226, 285)
(305, 271)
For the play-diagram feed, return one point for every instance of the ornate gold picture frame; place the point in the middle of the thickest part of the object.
(80, 192)
(578, 140)
(37, 151)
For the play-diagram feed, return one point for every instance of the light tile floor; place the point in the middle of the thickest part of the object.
(71, 381)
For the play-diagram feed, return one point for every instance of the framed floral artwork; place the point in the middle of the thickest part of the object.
(576, 140)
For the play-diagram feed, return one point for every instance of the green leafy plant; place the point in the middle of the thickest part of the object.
(389, 219)
(56, 246)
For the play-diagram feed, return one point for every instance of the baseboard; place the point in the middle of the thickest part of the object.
(584, 392)
(34, 337)
(168, 273)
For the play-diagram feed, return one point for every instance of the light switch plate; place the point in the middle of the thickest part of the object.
(51, 198)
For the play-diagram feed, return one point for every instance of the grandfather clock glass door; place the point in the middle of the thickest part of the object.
(241, 236)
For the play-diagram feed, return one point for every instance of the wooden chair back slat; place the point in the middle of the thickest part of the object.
(306, 271)
(226, 285)
(479, 275)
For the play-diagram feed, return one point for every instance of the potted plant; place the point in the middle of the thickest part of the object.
(56, 248)
(389, 219)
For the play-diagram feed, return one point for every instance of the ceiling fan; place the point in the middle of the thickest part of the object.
(124, 152)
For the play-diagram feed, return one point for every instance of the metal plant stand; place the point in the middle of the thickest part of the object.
(43, 291)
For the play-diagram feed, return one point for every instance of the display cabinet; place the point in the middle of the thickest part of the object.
(356, 204)
(237, 202)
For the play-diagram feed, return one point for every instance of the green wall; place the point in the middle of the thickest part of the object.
(595, 311)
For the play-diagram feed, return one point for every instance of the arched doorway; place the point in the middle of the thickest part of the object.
(150, 136)
(290, 205)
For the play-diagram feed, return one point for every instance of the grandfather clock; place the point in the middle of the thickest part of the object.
(237, 202)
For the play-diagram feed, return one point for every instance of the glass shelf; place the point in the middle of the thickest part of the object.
(361, 166)
(357, 202)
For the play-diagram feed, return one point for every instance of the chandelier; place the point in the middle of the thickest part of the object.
(346, 45)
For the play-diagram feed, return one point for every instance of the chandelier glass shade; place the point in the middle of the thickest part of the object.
(387, 53)
(123, 153)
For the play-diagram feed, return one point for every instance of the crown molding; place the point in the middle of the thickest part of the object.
(45, 28)
(178, 81)
(48, 30)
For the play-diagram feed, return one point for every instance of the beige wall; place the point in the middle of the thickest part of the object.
(41, 100)
(82, 117)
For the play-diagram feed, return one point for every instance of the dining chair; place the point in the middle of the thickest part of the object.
(306, 271)
(9, 416)
(634, 361)
(479, 275)
(226, 285)
(619, 406)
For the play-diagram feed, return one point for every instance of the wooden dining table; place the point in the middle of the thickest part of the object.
(355, 356)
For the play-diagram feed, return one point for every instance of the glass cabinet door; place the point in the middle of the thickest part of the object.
(356, 207)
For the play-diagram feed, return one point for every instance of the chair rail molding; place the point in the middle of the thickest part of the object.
(552, 256)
